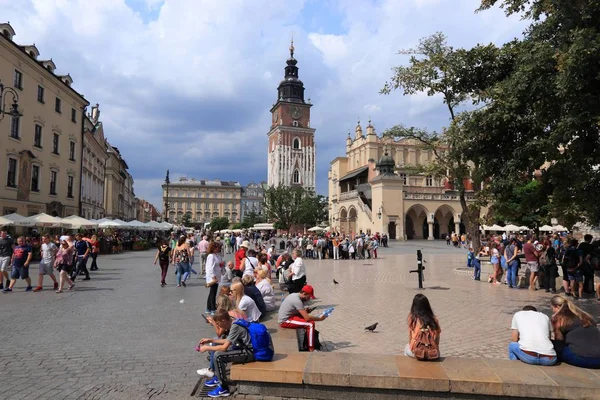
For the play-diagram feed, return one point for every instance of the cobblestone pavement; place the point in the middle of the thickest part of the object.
(475, 316)
(121, 336)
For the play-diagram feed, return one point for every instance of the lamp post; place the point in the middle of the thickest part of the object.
(13, 111)
(167, 182)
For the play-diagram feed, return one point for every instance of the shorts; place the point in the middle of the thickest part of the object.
(494, 260)
(4, 264)
(533, 266)
(576, 276)
(19, 272)
(46, 268)
(67, 268)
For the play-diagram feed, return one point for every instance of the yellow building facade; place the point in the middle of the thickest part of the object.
(40, 152)
(372, 189)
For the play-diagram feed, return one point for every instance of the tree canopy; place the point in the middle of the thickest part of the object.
(286, 206)
(219, 223)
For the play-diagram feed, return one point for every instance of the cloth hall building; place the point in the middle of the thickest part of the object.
(372, 190)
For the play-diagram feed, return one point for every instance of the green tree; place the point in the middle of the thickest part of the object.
(456, 75)
(543, 111)
(186, 220)
(313, 209)
(219, 223)
(283, 205)
(252, 218)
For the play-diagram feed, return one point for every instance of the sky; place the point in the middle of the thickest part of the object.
(187, 85)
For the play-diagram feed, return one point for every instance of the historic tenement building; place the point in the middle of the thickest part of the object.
(253, 199)
(94, 163)
(145, 211)
(292, 149)
(119, 198)
(204, 199)
(40, 152)
(372, 190)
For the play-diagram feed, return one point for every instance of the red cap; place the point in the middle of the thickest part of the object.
(309, 290)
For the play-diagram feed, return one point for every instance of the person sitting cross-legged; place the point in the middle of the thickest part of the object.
(530, 338)
(293, 314)
(226, 351)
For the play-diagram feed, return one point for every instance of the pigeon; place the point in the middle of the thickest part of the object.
(371, 327)
(335, 282)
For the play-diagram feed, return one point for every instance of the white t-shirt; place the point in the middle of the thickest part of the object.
(250, 263)
(213, 267)
(534, 332)
(249, 307)
(266, 290)
(298, 269)
(48, 252)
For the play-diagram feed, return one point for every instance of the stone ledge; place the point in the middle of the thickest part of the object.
(353, 373)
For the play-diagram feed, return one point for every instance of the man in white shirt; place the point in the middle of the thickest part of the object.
(49, 251)
(250, 263)
(530, 338)
(296, 273)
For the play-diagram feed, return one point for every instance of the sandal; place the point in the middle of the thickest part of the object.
(71, 287)
(59, 291)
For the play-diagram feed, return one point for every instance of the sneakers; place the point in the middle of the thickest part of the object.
(29, 289)
(183, 283)
(7, 290)
(206, 372)
(87, 278)
(213, 382)
(219, 392)
(38, 288)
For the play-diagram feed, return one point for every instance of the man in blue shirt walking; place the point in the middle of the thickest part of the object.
(82, 249)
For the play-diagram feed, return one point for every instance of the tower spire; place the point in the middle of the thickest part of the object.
(292, 46)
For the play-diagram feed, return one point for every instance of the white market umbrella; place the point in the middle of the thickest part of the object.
(546, 228)
(6, 221)
(137, 224)
(154, 225)
(78, 222)
(559, 228)
(512, 228)
(496, 228)
(18, 219)
(524, 228)
(45, 220)
(316, 229)
(110, 224)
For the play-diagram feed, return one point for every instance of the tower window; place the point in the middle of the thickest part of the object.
(295, 123)
(296, 141)
(296, 176)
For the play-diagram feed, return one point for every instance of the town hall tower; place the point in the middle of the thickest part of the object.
(291, 152)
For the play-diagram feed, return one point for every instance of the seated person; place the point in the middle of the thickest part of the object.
(577, 338)
(250, 263)
(266, 290)
(244, 302)
(421, 316)
(530, 338)
(293, 315)
(226, 351)
(251, 291)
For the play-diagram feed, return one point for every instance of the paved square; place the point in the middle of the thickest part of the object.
(121, 335)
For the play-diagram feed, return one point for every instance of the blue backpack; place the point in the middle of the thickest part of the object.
(262, 344)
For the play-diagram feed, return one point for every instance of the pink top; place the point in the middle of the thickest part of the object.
(64, 256)
(202, 246)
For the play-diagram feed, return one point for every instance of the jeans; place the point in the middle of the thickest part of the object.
(550, 277)
(511, 273)
(81, 267)
(164, 267)
(567, 356)
(211, 301)
(94, 266)
(477, 269)
(515, 353)
(183, 272)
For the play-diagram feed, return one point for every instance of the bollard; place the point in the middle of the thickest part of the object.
(420, 268)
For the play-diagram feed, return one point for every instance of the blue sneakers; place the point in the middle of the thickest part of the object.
(214, 382)
(219, 392)
(29, 289)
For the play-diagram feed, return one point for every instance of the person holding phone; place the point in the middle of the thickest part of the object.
(213, 274)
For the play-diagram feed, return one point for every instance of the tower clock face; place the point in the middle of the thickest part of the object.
(296, 112)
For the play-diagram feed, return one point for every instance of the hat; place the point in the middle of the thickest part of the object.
(309, 290)
(245, 244)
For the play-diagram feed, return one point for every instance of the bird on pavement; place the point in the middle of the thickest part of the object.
(371, 328)
(335, 282)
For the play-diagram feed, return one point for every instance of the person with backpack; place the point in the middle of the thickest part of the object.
(572, 263)
(423, 331)
(162, 256)
(245, 342)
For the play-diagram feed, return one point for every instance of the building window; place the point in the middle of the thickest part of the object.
(429, 181)
(403, 176)
(73, 115)
(37, 136)
(55, 143)
(296, 144)
(58, 105)
(70, 187)
(72, 151)
(18, 80)
(53, 175)
(40, 94)
(14, 128)
(35, 178)
(11, 176)
(296, 176)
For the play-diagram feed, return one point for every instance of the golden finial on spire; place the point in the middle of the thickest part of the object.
(292, 46)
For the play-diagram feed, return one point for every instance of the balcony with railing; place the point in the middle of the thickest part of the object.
(352, 194)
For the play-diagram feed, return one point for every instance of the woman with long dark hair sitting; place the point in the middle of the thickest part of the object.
(577, 338)
(422, 323)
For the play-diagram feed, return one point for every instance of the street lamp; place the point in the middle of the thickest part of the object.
(13, 111)
(380, 212)
(167, 181)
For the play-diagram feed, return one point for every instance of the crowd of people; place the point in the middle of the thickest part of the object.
(539, 261)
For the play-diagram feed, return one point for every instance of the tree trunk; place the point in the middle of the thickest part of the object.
(471, 216)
